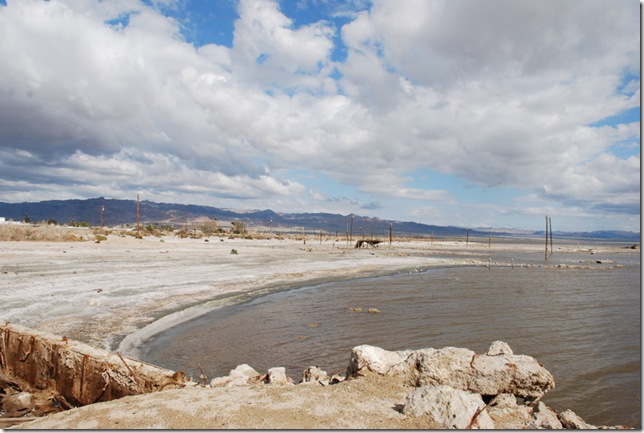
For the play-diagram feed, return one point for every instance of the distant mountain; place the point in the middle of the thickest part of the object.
(121, 212)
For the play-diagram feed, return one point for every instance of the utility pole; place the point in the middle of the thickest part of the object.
(546, 254)
(138, 217)
(550, 224)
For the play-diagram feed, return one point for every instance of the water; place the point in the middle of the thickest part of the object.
(583, 325)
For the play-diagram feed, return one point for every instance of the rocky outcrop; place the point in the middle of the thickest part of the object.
(446, 407)
(454, 384)
(496, 372)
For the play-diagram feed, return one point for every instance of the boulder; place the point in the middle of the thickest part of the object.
(377, 360)
(519, 375)
(508, 415)
(570, 420)
(240, 376)
(314, 374)
(447, 407)
(499, 348)
(277, 376)
(496, 372)
(545, 417)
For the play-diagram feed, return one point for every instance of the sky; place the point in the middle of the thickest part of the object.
(472, 113)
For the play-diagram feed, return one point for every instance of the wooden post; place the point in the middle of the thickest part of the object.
(467, 237)
(347, 234)
(546, 254)
(550, 225)
(390, 234)
(138, 217)
(489, 241)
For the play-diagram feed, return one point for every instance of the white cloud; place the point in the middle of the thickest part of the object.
(498, 92)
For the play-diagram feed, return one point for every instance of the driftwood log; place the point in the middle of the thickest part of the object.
(80, 374)
(372, 242)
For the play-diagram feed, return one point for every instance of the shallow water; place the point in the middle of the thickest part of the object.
(583, 325)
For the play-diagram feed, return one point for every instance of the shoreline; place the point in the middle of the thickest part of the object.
(132, 343)
(413, 389)
(121, 291)
(105, 294)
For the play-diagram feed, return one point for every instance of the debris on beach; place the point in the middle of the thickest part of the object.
(42, 373)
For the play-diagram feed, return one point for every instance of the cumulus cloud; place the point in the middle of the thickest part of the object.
(501, 93)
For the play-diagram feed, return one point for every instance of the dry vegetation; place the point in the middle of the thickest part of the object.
(42, 232)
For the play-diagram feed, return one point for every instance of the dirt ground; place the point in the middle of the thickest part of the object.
(369, 402)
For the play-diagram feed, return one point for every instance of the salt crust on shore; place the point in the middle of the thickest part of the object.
(127, 288)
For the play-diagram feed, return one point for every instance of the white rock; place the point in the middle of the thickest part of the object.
(545, 417)
(314, 374)
(447, 407)
(379, 360)
(239, 376)
(483, 374)
(503, 401)
(508, 415)
(277, 376)
(571, 420)
(499, 348)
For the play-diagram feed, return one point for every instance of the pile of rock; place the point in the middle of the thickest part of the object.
(457, 388)
(453, 387)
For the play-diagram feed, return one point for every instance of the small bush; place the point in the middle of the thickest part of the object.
(233, 251)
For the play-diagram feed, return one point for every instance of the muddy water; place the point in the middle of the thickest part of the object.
(583, 325)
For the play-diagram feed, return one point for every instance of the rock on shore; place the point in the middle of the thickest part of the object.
(419, 389)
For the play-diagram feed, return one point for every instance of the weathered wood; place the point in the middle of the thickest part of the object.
(79, 373)
(8, 422)
(372, 242)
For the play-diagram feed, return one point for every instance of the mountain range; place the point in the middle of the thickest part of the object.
(114, 212)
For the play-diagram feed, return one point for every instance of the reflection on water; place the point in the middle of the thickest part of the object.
(582, 325)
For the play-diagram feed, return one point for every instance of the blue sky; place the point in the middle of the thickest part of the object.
(485, 113)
